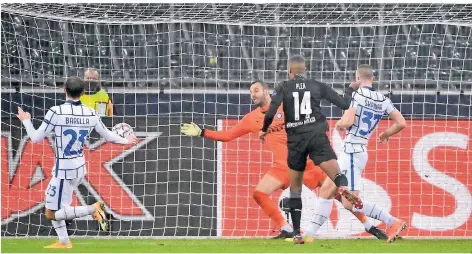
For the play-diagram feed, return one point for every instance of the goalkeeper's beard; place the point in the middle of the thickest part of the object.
(264, 105)
(259, 102)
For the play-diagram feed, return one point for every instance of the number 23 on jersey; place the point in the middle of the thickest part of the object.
(68, 151)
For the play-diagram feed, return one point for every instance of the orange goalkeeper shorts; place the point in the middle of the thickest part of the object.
(312, 177)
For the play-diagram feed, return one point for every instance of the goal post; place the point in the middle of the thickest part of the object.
(164, 64)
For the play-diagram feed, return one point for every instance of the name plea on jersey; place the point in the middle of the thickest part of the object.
(300, 85)
(77, 120)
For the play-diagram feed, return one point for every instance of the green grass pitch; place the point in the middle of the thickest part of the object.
(84, 245)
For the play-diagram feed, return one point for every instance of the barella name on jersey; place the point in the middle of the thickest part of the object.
(77, 120)
(25, 175)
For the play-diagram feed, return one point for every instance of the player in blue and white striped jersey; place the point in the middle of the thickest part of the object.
(72, 123)
(366, 109)
(360, 121)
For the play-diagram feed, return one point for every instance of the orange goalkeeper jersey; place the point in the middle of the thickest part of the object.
(276, 138)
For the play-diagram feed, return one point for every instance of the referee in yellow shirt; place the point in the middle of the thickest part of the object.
(96, 97)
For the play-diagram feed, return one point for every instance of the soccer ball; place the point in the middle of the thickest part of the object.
(123, 130)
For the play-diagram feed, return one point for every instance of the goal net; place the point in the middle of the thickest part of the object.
(163, 64)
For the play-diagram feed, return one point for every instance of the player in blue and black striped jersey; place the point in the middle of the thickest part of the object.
(72, 123)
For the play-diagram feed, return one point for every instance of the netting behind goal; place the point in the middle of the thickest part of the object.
(165, 64)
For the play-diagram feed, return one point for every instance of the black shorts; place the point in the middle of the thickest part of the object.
(317, 146)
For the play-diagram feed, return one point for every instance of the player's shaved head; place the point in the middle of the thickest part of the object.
(74, 87)
(364, 72)
(259, 93)
(296, 65)
(259, 83)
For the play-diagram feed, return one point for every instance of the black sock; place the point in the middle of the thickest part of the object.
(296, 212)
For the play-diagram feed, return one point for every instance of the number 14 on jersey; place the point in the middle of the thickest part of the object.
(304, 107)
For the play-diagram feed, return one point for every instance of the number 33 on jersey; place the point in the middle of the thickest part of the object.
(370, 107)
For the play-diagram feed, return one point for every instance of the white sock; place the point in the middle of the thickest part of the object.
(287, 228)
(323, 210)
(61, 230)
(72, 212)
(376, 212)
(368, 224)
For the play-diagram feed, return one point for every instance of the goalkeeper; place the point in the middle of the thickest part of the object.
(277, 176)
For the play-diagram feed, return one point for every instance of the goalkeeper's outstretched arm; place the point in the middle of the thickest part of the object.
(193, 130)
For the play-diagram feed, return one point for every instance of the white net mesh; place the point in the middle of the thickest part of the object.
(252, 14)
(163, 64)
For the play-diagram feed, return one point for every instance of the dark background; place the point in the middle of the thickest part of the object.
(174, 176)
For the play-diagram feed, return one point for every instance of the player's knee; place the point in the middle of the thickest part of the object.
(258, 196)
(50, 215)
(340, 180)
(328, 190)
(298, 168)
(297, 165)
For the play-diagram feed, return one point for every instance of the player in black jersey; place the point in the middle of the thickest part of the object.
(306, 130)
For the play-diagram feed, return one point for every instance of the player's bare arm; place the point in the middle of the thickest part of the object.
(110, 108)
(346, 120)
(399, 125)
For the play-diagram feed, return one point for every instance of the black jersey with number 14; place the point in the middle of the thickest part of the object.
(301, 98)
